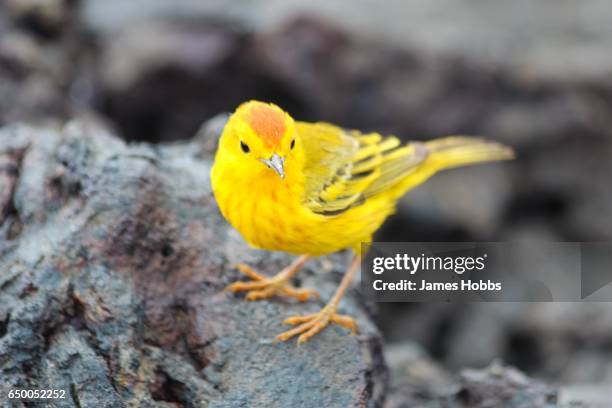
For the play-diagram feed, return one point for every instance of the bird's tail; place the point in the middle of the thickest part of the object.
(455, 151)
(447, 153)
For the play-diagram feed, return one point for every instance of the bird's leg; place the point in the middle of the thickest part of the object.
(309, 325)
(263, 287)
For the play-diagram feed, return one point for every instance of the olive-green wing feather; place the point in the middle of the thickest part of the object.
(345, 168)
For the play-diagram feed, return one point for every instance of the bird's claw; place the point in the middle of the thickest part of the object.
(262, 287)
(309, 325)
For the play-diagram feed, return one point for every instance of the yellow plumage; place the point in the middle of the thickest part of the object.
(315, 188)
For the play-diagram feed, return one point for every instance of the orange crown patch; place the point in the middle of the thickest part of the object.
(268, 123)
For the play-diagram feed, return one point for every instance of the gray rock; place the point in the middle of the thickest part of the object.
(594, 396)
(545, 39)
(500, 386)
(114, 258)
(415, 378)
(419, 382)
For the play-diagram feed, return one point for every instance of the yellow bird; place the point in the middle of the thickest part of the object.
(314, 188)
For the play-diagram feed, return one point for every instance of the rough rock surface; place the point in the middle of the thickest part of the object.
(113, 260)
(417, 381)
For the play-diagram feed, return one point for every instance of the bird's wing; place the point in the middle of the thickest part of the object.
(345, 168)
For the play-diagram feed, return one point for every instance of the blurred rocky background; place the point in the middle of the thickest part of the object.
(536, 75)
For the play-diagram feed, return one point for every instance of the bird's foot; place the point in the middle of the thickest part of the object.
(262, 287)
(309, 325)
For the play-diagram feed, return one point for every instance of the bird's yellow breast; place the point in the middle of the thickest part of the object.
(270, 215)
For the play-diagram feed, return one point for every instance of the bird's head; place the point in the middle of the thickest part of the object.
(260, 138)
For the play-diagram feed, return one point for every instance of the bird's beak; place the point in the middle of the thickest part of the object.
(276, 163)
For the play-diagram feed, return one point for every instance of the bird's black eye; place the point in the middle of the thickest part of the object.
(292, 144)
(244, 147)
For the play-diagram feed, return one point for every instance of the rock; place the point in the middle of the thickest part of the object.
(47, 62)
(417, 381)
(593, 396)
(498, 386)
(192, 62)
(415, 378)
(31, 88)
(543, 40)
(114, 258)
(567, 337)
(46, 18)
(471, 199)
